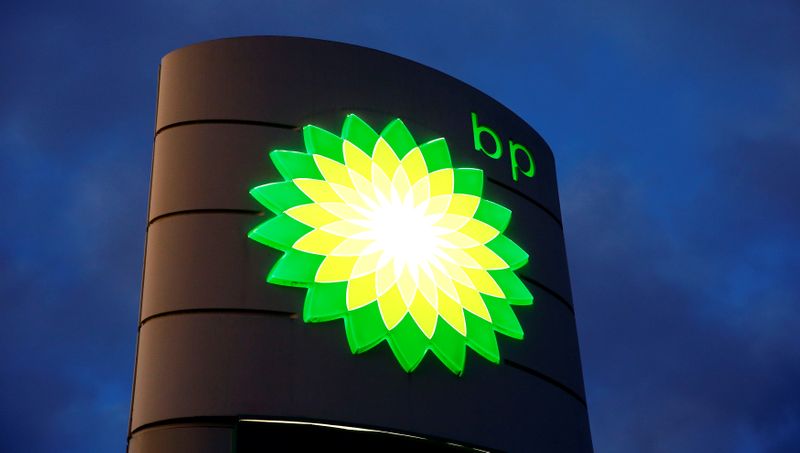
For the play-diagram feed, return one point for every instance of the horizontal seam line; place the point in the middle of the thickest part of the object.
(226, 121)
(253, 212)
(549, 291)
(246, 311)
(528, 198)
(550, 380)
(201, 420)
(206, 211)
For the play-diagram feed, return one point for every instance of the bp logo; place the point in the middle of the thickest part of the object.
(389, 237)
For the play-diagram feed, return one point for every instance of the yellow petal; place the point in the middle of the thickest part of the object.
(335, 269)
(401, 183)
(350, 247)
(392, 307)
(428, 289)
(444, 282)
(333, 171)
(318, 242)
(456, 272)
(479, 231)
(343, 211)
(385, 278)
(457, 240)
(441, 182)
(452, 222)
(484, 282)
(356, 159)
(406, 285)
(353, 198)
(471, 300)
(367, 264)
(312, 215)
(414, 166)
(460, 258)
(319, 191)
(486, 258)
(438, 205)
(382, 185)
(363, 187)
(463, 205)
(421, 191)
(424, 315)
(452, 312)
(344, 228)
(360, 291)
(385, 158)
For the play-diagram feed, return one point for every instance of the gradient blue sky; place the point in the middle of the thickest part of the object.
(676, 131)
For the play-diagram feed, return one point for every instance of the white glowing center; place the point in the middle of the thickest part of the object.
(403, 233)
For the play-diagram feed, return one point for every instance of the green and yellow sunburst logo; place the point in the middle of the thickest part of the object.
(388, 236)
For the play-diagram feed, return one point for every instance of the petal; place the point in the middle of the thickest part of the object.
(484, 282)
(359, 133)
(360, 291)
(320, 141)
(392, 307)
(350, 247)
(472, 301)
(441, 182)
(437, 155)
(312, 215)
(452, 312)
(384, 157)
(333, 171)
(486, 258)
(414, 166)
(335, 269)
(399, 138)
(479, 231)
(356, 159)
(319, 191)
(424, 315)
(318, 242)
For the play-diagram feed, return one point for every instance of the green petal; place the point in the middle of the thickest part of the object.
(507, 249)
(279, 232)
(293, 164)
(436, 154)
(516, 292)
(325, 302)
(364, 328)
(449, 346)
(493, 214)
(319, 141)
(295, 268)
(468, 181)
(356, 131)
(399, 138)
(503, 318)
(408, 343)
(481, 337)
(279, 196)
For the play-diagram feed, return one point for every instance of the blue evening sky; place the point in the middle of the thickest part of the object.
(676, 131)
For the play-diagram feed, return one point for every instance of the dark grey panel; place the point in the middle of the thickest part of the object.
(235, 364)
(539, 235)
(213, 265)
(294, 81)
(550, 345)
(201, 261)
(182, 439)
(206, 260)
(213, 166)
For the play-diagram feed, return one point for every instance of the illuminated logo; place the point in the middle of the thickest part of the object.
(389, 237)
